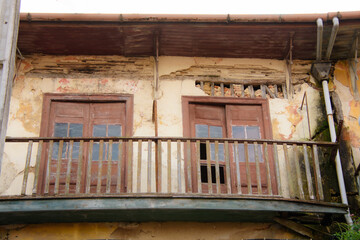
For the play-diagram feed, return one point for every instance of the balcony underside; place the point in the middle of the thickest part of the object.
(142, 208)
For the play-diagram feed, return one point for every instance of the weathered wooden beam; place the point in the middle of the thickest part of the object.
(295, 227)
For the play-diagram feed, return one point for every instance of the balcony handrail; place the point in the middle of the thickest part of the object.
(181, 139)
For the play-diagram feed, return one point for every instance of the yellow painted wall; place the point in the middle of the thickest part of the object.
(350, 106)
(145, 231)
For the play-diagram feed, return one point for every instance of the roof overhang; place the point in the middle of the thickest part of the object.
(238, 36)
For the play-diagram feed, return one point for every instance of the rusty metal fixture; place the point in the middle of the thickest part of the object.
(320, 70)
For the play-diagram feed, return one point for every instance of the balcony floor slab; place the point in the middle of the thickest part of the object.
(148, 208)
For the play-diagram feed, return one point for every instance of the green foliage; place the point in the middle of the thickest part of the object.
(347, 232)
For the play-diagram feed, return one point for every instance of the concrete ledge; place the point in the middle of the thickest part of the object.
(154, 209)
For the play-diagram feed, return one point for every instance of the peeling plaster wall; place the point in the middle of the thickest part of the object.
(349, 107)
(114, 74)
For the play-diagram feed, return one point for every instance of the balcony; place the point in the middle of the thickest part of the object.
(165, 179)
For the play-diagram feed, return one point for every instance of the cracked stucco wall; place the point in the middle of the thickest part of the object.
(114, 74)
(39, 74)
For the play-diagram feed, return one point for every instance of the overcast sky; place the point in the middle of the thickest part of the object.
(189, 6)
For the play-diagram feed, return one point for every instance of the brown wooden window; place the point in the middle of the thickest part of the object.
(209, 117)
(85, 116)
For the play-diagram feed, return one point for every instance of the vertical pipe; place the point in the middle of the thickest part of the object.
(339, 171)
(319, 23)
(332, 37)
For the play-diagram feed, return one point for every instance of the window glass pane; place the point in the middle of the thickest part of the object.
(215, 132)
(114, 130)
(238, 132)
(201, 130)
(99, 131)
(253, 132)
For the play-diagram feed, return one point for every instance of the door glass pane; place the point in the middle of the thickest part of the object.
(253, 132)
(60, 130)
(216, 132)
(76, 130)
(98, 131)
(238, 132)
(247, 132)
(201, 130)
(114, 130)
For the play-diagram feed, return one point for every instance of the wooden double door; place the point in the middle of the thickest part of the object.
(246, 120)
(85, 119)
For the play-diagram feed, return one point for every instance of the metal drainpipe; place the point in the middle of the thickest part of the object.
(339, 171)
(319, 24)
(329, 111)
(332, 37)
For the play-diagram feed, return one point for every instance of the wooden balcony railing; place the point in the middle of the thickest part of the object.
(169, 165)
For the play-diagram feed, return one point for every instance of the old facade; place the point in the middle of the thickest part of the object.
(190, 127)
